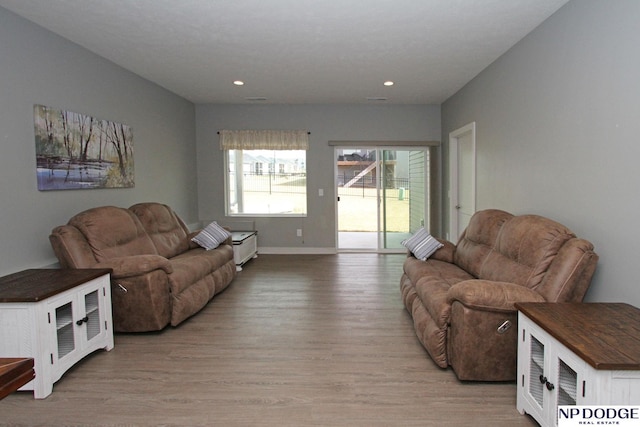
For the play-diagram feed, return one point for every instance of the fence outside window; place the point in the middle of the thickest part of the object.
(395, 187)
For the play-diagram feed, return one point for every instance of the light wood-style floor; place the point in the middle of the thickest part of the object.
(307, 340)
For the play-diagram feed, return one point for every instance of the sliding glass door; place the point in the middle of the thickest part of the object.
(382, 196)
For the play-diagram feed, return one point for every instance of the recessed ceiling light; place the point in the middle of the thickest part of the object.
(388, 83)
(238, 83)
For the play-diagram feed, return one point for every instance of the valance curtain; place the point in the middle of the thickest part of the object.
(264, 140)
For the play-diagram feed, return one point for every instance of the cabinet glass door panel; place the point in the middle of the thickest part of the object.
(92, 307)
(64, 329)
(536, 371)
(567, 384)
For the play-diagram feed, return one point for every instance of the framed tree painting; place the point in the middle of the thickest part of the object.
(77, 151)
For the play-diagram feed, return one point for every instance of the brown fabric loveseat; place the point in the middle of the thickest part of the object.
(462, 298)
(159, 277)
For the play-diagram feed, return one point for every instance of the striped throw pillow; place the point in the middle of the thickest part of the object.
(211, 236)
(422, 245)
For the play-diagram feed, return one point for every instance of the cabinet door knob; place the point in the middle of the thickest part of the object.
(546, 382)
(83, 320)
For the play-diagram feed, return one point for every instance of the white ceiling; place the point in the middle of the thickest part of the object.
(296, 51)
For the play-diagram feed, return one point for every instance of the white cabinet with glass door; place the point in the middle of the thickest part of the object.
(576, 354)
(56, 317)
(549, 375)
(78, 320)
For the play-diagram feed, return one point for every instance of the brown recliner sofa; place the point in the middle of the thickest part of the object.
(160, 276)
(461, 299)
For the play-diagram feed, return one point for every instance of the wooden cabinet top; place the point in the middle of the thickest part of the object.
(14, 373)
(605, 335)
(38, 284)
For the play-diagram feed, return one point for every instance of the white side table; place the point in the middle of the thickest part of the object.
(245, 247)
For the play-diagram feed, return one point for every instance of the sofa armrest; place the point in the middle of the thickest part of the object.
(445, 253)
(71, 247)
(488, 295)
(135, 265)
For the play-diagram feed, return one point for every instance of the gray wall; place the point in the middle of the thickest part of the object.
(326, 123)
(558, 125)
(38, 67)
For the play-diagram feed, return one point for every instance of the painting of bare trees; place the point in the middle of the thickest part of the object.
(77, 151)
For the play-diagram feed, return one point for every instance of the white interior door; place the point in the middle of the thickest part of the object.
(462, 162)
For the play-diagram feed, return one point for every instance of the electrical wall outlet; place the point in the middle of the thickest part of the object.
(299, 232)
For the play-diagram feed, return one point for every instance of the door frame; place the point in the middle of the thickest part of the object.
(454, 185)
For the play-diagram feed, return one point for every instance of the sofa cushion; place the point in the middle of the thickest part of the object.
(191, 300)
(187, 271)
(432, 280)
(191, 266)
(214, 259)
(433, 294)
(525, 247)
(478, 239)
(113, 232)
(447, 272)
(166, 230)
(432, 337)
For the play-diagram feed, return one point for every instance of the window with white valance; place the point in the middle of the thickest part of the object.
(266, 172)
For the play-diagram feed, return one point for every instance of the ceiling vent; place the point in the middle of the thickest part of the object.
(255, 98)
(376, 98)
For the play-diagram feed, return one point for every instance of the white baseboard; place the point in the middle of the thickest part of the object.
(295, 251)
